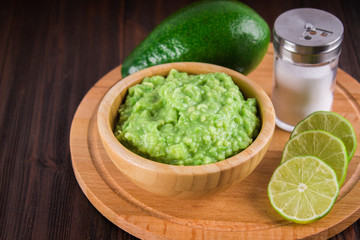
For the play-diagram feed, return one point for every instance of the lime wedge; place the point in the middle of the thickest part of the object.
(320, 144)
(303, 189)
(330, 122)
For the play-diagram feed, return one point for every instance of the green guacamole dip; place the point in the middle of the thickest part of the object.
(187, 119)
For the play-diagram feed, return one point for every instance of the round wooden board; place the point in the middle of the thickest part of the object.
(241, 212)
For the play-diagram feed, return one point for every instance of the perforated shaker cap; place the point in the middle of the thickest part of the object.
(307, 35)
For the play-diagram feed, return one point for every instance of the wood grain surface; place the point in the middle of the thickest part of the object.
(242, 211)
(51, 54)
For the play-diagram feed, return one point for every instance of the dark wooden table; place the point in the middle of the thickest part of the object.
(51, 54)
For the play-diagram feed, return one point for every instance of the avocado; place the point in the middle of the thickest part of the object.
(225, 32)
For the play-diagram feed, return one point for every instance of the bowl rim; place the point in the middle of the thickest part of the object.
(266, 110)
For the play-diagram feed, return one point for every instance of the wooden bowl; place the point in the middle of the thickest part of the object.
(184, 181)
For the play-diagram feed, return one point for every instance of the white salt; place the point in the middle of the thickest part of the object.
(300, 90)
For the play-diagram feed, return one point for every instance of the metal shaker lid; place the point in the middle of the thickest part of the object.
(307, 35)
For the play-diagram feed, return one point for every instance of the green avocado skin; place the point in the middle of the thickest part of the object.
(226, 33)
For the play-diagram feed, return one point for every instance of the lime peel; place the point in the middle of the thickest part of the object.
(304, 204)
(320, 144)
(333, 123)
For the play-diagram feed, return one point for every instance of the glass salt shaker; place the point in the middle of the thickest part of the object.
(307, 45)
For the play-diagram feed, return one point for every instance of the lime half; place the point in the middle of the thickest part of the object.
(333, 123)
(303, 189)
(320, 144)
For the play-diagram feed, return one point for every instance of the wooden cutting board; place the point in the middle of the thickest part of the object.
(241, 212)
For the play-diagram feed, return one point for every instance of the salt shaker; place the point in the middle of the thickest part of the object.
(307, 45)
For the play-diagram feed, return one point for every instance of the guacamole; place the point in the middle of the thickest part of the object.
(187, 119)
